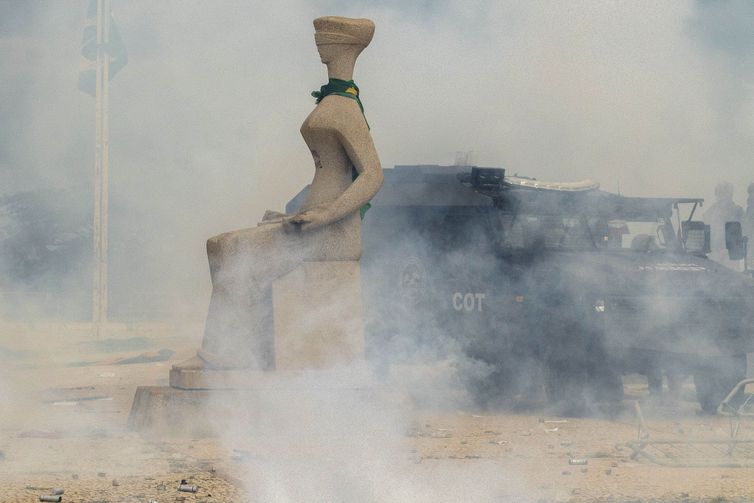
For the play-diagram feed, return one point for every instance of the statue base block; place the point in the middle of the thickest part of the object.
(318, 316)
(205, 403)
(162, 411)
(353, 377)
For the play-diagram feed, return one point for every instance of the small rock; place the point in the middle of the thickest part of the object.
(75, 476)
(566, 443)
(614, 464)
(101, 474)
(565, 472)
(684, 495)
(116, 483)
(608, 471)
(584, 470)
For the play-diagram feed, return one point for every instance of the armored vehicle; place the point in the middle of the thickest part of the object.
(563, 284)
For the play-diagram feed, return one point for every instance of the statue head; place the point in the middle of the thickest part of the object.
(724, 191)
(340, 40)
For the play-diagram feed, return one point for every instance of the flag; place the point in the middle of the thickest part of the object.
(115, 50)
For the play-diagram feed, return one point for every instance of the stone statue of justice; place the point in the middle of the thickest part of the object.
(245, 264)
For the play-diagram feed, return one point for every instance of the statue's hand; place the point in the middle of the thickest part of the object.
(307, 220)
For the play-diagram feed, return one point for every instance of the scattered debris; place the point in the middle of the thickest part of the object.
(576, 461)
(57, 491)
(102, 474)
(161, 355)
(566, 443)
(48, 434)
(115, 345)
(718, 453)
(551, 430)
(686, 452)
(565, 472)
(185, 487)
(54, 499)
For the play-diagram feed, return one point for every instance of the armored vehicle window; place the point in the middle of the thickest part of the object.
(545, 231)
(638, 236)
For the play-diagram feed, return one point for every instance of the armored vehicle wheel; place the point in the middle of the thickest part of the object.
(564, 387)
(715, 377)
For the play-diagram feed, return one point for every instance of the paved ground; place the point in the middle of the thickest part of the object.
(64, 426)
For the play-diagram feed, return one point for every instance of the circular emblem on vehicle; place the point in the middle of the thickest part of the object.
(412, 281)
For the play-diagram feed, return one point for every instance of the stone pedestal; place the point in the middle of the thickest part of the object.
(319, 362)
(201, 404)
(318, 316)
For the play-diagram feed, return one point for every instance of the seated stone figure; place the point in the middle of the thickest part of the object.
(347, 174)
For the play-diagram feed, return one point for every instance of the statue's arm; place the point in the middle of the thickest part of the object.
(358, 144)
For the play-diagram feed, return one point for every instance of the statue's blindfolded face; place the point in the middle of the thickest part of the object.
(328, 52)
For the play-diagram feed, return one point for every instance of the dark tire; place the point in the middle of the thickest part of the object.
(714, 378)
(565, 384)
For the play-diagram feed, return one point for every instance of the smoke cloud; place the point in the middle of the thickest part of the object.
(648, 99)
(652, 99)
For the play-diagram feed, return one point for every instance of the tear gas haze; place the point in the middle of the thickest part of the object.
(648, 99)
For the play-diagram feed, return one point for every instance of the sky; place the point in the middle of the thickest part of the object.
(649, 98)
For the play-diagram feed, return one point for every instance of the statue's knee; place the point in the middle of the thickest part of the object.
(215, 244)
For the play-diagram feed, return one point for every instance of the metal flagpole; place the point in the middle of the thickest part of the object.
(105, 190)
(99, 225)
